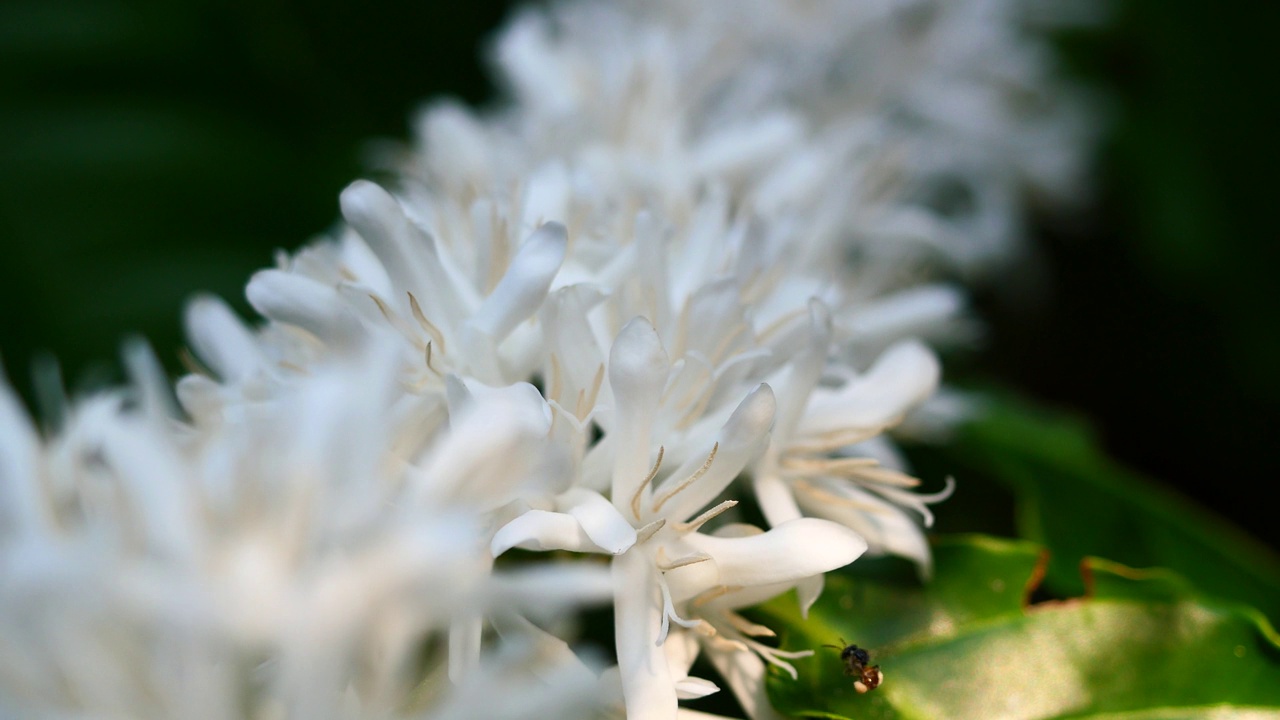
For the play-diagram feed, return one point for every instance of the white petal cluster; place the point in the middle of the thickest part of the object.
(311, 558)
(695, 260)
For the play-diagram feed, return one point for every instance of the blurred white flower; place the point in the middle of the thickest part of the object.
(701, 241)
(662, 562)
(297, 562)
(817, 462)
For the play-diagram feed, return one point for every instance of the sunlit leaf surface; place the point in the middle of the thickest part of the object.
(967, 646)
(1077, 502)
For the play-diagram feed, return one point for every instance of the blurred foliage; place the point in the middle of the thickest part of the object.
(1077, 502)
(1157, 320)
(154, 149)
(967, 645)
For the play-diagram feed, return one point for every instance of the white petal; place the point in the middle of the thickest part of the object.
(543, 530)
(301, 301)
(921, 311)
(21, 496)
(741, 439)
(520, 401)
(553, 654)
(364, 266)
(157, 483)
(524, 286)
(738, 147)
(803, 372)
(886, 527)
(221, 340)
(599, 519)
(543, 588)
(464, 646)
(715, 310)
(682, 648)
(901, 377)
(744, 673)
(546, 193)
(687, 714)
(490, 453)
(808, 591)
(148, 379)
(651, 275)
(790, 552)
(408, 252)
(692, 688)
(200, 397)
(638, 368)
(563, 320)
(647, 684)
(457, 142)
(776, 499)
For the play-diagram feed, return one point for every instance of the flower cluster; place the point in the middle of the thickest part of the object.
(694, 261)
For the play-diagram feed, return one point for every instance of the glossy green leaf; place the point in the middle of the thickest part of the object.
(1078, 503)
(967, 646)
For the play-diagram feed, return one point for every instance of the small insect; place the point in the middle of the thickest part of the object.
(857, 664)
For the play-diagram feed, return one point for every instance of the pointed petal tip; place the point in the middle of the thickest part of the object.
(753, 416)
(553, 229)
(362, 199)
(637, 353)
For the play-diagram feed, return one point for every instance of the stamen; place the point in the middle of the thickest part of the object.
(745, 626)
(192, 365)
(396, 322)
(702, 519)
(556, 411)
(914, 501)
(669, 614)
(691, 394)
(658, 503)
(724, 644)
(682, 331)
(695, 412)
(635, 499)
(595, 391)
(827, 496)
(426, 324)
(774, 656)
(647, 531)
(723, 346)
(788, 654)
(694, 559)
(867, 469)
(825, 466)
(887, 476)
(780, 323)
(705, 629)
(836, 439)
(429, 366)
(554, 382)
(707, 596)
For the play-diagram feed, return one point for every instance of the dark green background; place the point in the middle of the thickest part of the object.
(152, 149)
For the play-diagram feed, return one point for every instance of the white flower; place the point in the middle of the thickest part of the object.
(893, 127)
(652, 526)
(295, 561)
(702, 241)
(814, 464)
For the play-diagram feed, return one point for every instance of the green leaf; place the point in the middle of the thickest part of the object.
(1078, 503)
(967, 646)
